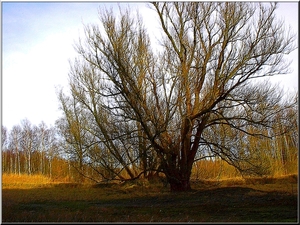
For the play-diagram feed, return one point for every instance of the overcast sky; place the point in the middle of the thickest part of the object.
(37, 44)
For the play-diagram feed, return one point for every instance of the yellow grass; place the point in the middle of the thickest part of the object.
(11, 181)
(24, 181)
(38, 199)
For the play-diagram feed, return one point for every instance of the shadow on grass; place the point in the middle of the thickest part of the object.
(71, 203)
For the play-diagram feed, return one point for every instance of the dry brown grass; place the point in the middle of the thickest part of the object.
(37, 199)
(283, 183)
(35, 181)
(24, 181)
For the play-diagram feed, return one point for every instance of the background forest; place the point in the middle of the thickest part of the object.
(41, 150)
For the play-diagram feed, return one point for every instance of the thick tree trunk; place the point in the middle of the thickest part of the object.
(180, 186)
(179, 180)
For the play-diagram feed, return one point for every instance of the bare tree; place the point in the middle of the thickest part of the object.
(113, 148)
(42, 135)
(28, 143)
(200, 84)
(4, 137)
(15, 136)
(53, 144)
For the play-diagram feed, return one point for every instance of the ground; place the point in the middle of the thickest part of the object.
(258, 201)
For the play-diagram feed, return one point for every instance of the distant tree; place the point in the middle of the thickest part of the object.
(70, 127)
(3, 146)
(285, 145)
(53, 144)
(28, 143)
(192, 96)
(43, 136)
(4, 137)
(15, 136)
(31, 149)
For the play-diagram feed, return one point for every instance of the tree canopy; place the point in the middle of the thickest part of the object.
(135, 108)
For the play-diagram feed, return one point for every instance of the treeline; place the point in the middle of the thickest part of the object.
(40, 149)
(33, 149)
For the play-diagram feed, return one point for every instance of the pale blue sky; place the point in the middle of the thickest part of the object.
(37, 42)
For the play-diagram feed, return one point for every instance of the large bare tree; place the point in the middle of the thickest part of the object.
(193, 94)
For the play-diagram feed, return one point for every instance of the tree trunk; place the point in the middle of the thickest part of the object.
(178, 179)
(180, 186)
(178, 170)
(29, 163)
(19, 163)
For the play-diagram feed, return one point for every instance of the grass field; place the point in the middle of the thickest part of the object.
(235, 200)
